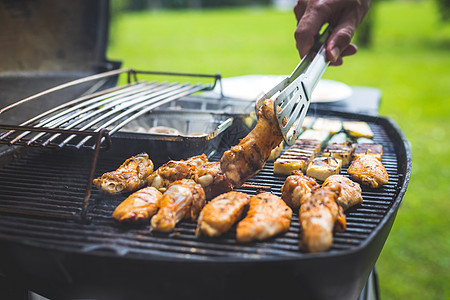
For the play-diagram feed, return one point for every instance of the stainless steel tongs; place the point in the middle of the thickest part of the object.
(293, 94)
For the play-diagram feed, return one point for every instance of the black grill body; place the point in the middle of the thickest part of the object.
(64, 258)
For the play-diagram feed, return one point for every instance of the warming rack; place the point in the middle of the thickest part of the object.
(87, 122)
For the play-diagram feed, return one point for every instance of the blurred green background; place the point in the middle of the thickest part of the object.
(407, 58)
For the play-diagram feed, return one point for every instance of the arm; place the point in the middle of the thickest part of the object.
(343, 15)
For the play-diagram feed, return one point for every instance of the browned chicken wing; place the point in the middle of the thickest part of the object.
(350, 192)
(368, 170)
(139, 206)
(212, 179)
(297, 189)
(248, 157)
(183, 199)
(319, 215)
(175, 170)
(130, 176)
(221, 213)
(267, 216)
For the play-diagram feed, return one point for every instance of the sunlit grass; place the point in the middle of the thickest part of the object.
(409, 62)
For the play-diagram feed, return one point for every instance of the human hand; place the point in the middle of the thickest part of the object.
(343, 15)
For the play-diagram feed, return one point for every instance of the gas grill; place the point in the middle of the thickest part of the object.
(57, 236)
(60, 257)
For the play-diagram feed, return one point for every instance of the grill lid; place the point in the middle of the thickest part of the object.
(46, 43)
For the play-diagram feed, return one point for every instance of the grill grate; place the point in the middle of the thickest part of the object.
(54, 180)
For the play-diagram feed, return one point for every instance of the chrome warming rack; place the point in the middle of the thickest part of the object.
(89, 121)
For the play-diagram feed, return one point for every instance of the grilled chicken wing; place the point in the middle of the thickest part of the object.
(130, 176)
(368, 170)
(221, 213)
(212, 179)
(267, 216)
(248, 157)
(297, 189)
(350, 192)
(319, 215)
(139, 206)
(184, 198)
(175, 170)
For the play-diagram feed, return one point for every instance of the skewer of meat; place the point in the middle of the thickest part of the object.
(183, 199)
(248, 157)
(267, 216)
(130, 176)
(319, 216)
(175, 170)
(221, 213)
(212, 179)
(368, 170)
(349, 193)
(139, 206)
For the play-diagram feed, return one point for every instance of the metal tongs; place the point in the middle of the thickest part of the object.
(293, 94)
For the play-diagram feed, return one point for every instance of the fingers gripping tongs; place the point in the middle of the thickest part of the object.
(293, 94)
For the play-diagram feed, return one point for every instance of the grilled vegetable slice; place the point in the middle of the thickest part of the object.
(318, 135)
(331, 125)
(358, 129)
(323, 167)
(297, 157)
(340, 151)
(308, 144)
(368, 149)
(291, 160)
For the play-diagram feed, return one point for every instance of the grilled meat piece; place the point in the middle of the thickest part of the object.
(248, 157)
(221, 213)
(184, 198)
(322, 167)
(175, 170)
(368, 170)
(212, 179)
(267, 216)
(350, 192)
(139, 206)
(297, 189)
(319, 215)
(130, 176)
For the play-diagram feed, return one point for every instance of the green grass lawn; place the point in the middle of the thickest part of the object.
(409, 62)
